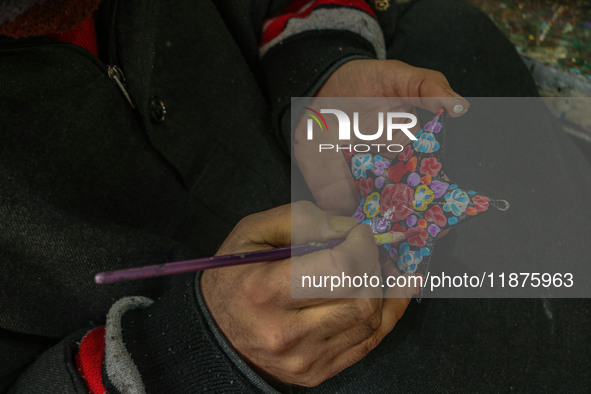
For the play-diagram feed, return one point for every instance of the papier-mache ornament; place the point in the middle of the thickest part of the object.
(411, 195)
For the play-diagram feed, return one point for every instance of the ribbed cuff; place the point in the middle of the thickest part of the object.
(252, 376)
(299, 65)
(178, 349)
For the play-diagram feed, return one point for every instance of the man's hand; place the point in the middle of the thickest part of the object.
(301, 341)
(327, 175)
(393, 78)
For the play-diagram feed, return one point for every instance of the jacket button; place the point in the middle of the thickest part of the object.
(157, 109)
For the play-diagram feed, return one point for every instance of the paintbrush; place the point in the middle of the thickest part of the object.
(259, 256)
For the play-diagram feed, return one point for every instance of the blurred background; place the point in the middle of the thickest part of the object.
(554, 40)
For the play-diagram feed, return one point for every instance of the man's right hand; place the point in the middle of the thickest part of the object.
(301, 341)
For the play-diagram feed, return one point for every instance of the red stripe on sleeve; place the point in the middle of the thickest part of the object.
(89, 360)
(83, 35)
(301, 9)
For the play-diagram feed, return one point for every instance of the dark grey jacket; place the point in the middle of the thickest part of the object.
(88, 183)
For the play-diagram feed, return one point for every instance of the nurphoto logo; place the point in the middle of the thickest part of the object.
(388, 122)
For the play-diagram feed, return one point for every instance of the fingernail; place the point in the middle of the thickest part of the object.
(458, 108)
(342, 224)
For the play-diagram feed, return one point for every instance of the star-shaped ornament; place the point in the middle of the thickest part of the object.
(408, 201)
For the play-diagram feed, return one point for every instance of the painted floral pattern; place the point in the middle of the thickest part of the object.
(409, 259)
(371, 207)
(416, 236)
(431, 166)
(380, 164)
(406, 153)
(397, 171)
(423, 197)
(365, 186)
(439, 188)
(480, 203)
(433, 126)
(396, 201)
(456, 202)
(426, 143)
(361, 163)
(411, 195)
(435, 215)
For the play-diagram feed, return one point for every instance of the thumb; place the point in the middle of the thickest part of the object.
(296, 223)
(396, 300)
(435, 93)
(423, 88)
(436, 96)
(310, 224)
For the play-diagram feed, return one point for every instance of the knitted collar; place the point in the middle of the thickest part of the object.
(27, 18)
(10, 9)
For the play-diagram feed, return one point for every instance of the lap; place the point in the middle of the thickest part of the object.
(457, 39)
(484, 345)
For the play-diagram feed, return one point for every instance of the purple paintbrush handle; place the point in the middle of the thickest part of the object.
(181, 267)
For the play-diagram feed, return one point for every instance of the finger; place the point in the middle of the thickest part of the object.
(329, 178)
(388, 265)
(392, 310)
(436, 93)
(357, 255)
(273, 228)
(427, 89)
(311, 224)
(436, 97)
(344, 271)
(322, 165)
(352, 344)
(343, 321)
(398, 137)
